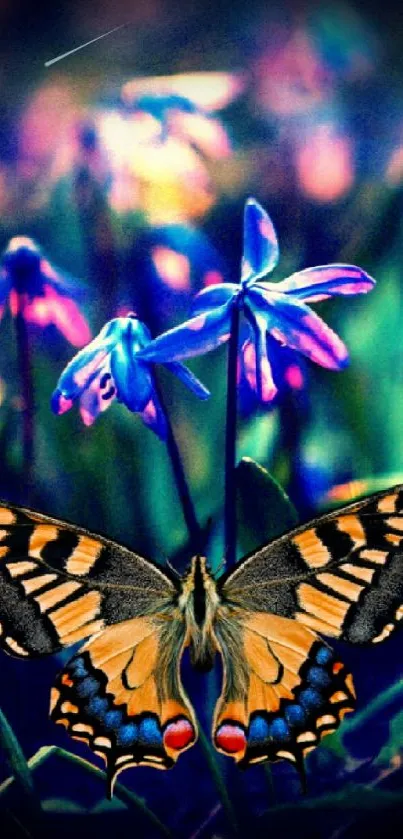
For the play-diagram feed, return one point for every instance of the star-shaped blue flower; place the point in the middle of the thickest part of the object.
(276, 309)
(110, 368)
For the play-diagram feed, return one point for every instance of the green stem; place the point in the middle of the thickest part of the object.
(182, 487)
(27, 393)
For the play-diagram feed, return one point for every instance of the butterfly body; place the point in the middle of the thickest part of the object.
(284, 688)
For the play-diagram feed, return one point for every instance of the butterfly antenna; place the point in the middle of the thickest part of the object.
(171, 568)
(220, 567)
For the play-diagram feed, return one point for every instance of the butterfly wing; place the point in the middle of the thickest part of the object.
(341, 575)
(122, 695)
(284, 689)
(60, 584)
(121, 692)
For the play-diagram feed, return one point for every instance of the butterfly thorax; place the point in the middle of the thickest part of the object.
(198, 602)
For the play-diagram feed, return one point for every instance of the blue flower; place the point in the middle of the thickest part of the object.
(276, 309)
(110, 368)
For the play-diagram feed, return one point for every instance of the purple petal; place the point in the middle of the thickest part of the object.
(314, 284)
(194, 337)
(98, 396)
(153, 416)
(188, 378)
(213, 296)
(257, 371)
(260, 245)
(296, 326)
(254, 355)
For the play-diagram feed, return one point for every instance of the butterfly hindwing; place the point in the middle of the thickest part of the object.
(341, 575)
(283, 689)
(122, 694)
(60, 584)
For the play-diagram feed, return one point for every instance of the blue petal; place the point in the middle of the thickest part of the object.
(140, 335)
(296, 326)
(194, 337)
(86, 364)
(260, 247)
(153, 416)
(213, 296)
(132, 378)
(188, 378)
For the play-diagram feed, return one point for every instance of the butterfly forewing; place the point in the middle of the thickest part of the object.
(341, 575)
(60, 584)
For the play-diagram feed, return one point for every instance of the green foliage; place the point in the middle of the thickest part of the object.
(16, 759)
(264, 510)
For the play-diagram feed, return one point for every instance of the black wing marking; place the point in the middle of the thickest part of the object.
(60, 583)
(341, 574)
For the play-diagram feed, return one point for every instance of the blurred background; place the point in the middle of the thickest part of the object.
(129, 163)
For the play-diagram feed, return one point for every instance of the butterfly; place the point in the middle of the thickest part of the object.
(284, 688)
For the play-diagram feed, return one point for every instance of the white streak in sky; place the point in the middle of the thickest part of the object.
(81, 47)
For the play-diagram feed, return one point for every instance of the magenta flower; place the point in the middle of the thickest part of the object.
(276, 309)
(109, 368)
(40, 293)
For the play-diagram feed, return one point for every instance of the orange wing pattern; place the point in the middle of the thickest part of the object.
(122, 694)
(283, 690)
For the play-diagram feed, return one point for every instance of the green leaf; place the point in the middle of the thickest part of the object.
(394, 744)
(15, 758)
(264, 510)
(61, 805)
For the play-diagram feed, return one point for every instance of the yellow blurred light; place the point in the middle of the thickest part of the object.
(210, 91)
(173, 267)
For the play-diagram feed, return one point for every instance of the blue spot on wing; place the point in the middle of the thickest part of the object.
(127, 735)
(311, 698)
(323, 656)
(295, 715)
(113, 719)
(279, 729)
(258, 731)
(318, 677)
(78, 668)
(150, 732)
(97, 706)
(88, 687)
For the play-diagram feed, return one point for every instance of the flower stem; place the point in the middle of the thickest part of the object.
(27, 393)
(230, 443)
(180, 479)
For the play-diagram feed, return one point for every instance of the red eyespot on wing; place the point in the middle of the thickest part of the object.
(179, 734)
(231, 738)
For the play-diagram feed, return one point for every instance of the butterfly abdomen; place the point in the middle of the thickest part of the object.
(199, 602)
